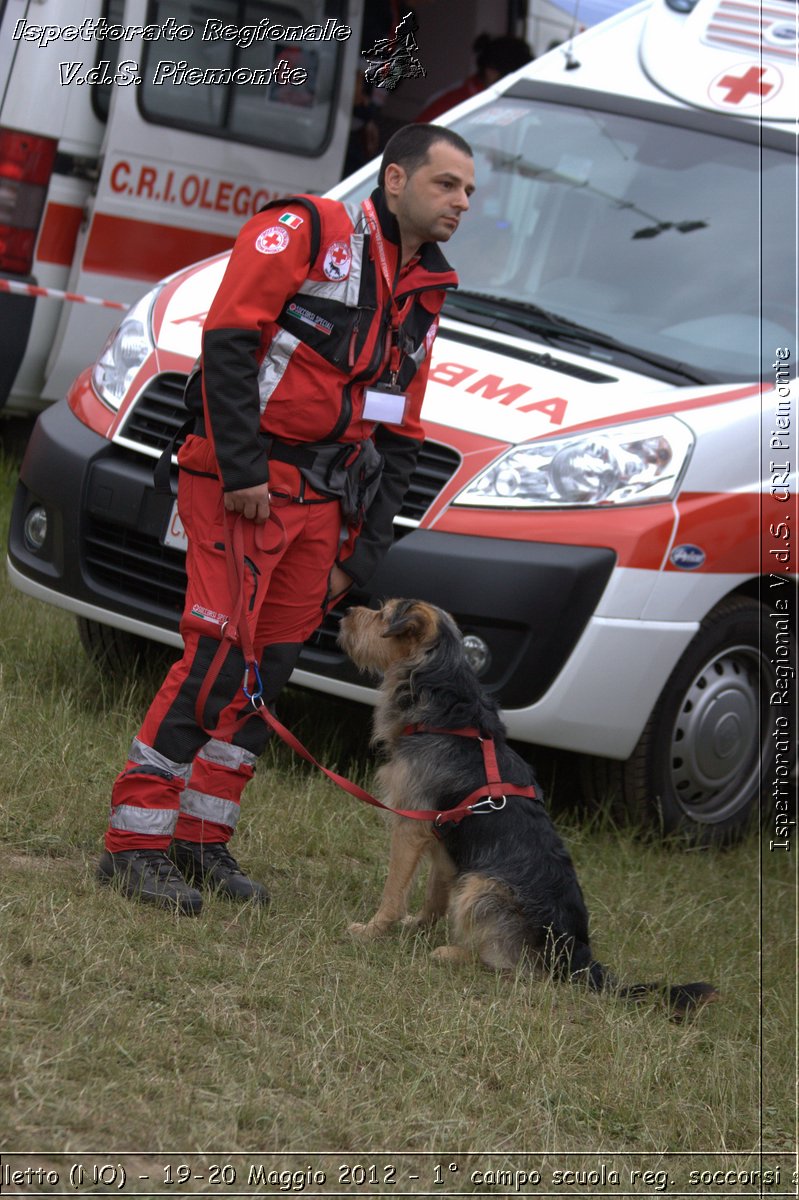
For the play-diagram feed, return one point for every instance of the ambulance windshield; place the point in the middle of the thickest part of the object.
(668, 240)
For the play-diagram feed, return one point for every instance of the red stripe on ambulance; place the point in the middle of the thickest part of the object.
(640, 536)
(149, 250)
(673, 406)
(725, 526)
(145, 250)
(59, 234)
(739, 533)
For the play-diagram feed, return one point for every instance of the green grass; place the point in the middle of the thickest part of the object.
(272, 1031)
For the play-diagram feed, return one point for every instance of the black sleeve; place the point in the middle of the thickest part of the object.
(230, 380)
(377, 533)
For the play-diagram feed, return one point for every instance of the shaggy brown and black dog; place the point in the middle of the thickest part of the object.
(502, 873)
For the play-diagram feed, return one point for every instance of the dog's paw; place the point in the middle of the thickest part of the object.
(414, 922)
(456, 955)
(365, 932)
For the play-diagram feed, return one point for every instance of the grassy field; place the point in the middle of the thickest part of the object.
(246, 1031)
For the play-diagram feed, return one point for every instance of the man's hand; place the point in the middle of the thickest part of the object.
(252, 503)
(338, 582)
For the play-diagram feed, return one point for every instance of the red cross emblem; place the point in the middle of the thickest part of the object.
(745, 85)
(337, 261)
(272, 240)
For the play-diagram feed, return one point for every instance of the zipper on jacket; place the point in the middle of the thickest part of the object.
(375, 362)
(353, 338)
(344, 417)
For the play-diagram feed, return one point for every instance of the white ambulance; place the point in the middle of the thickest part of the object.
(106, 189)
(606, 500)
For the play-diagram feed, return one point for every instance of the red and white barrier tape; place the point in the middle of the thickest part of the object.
(29, 289)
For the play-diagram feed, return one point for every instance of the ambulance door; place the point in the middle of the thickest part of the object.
(212, 110)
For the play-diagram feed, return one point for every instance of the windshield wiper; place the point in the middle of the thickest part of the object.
(555, 328)
(532, 315)
(483, 311)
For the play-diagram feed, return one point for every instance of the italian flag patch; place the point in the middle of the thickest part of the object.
(290, 220)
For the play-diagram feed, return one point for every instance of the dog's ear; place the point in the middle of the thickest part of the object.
(408, 618)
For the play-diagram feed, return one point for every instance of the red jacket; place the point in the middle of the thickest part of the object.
(301, 324)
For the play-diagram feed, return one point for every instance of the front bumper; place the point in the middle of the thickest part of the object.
(528, 602)
(104, 558)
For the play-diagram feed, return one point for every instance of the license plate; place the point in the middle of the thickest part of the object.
(175, 534)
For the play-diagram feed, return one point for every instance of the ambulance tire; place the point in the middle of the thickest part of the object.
(708, 749)
(118, 652)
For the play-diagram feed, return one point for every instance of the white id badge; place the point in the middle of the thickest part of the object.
(388, 407)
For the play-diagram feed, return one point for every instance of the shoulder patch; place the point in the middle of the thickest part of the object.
(272, 240)
(338, 260)
(290, 219)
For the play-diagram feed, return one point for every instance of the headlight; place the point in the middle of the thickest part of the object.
(125, 352)
(624, 464)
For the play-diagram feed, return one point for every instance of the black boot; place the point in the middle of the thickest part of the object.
(212, 864)
(151, 876)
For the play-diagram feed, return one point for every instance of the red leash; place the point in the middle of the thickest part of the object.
(237, 631)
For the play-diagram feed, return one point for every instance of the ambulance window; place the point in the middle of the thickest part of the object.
(267, 85)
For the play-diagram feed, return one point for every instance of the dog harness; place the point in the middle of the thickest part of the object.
(492, 796)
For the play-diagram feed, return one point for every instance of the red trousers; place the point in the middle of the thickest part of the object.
(179, 782)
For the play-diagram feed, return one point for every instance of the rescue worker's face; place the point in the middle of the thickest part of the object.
(430, 203)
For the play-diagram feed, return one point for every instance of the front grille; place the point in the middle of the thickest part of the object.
(434, 468)
(135, 564)
(159, 413)
(324, 638)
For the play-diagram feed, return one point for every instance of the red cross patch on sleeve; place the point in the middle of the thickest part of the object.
(337, 261)
(272, 240)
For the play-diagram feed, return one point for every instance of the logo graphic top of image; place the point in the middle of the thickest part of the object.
(394, 58)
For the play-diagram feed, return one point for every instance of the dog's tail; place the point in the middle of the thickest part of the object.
(681, 999)
(575, 962)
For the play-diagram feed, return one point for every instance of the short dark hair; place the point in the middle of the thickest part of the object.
(409, 147)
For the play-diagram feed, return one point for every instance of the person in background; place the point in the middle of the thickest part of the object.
(496, 57)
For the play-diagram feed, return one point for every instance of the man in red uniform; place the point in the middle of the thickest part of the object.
(315, 357)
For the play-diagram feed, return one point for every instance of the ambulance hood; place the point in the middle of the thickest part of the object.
(498, 387)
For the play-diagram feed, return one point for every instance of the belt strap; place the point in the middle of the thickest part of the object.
(162, 472)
